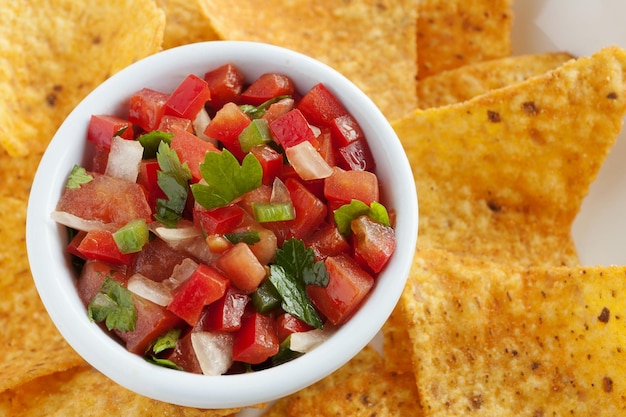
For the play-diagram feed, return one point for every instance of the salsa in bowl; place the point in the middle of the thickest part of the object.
(241, 223)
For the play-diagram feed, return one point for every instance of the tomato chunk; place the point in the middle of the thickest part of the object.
(327, 241)
(266, 87)
(242, 267)
(345, 186)
(219, 220)
(345, 130)
(99, 245)
(257, 339)
(291, 129)
(148, 178)
(192, 150)
(225, 83)
(92, 276)
(226, 313)
(320, 106)
(356, 156)
(188, 97)
(156, 260)
(226, 126)
(102, 128)
(310, 210)
(146, 108)
(373, 242)
(271, 162)
(347, 287)
(184, 355)
(288, 324)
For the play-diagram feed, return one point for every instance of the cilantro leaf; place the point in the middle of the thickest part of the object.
(295, 299)
(356, 208)
(258, 111)
(173, 178)
(113, 304)
(166, 363)
(152, 140)
(165, 341)
(225, 179)
(77, 177)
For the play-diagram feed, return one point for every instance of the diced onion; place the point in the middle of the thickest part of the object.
(307, 341)
(307, 161)
(185, 231)
(183, 271)
(150, 290)
(124, 159)
(78, 223)
(200, 122)
(280, 192)
(214, 351)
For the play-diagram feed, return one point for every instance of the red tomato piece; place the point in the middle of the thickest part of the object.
(102, 128)
(287, 324)
(326, 147)
(170, 122)
(156, 260)
(92, 276)
(219, 220)
(275, 110)
(146, 108)
(184, 355)
(147, 178)
(345, 186)
(373, 242)
(188, 97)
(152, 321)
(226, 313)
(291, 129)
(356, 156)
(192, 150)
(310, 210)
(100, 159)
(345, 130)
(242, 267)
(327, 241)
(266, 87)
(320, 106)
(265, 248)
(72, 247)
(204, 286)
(225, 84)
(271, 162)
(226, 126)
(99, 245)
(257, 339)
(108, 199)
(347, 287)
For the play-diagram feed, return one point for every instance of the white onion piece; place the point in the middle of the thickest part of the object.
(78, 223)
(307, 161)
(181, 232)
(200, 122)
(183, 271)
(124, 159)
(214, 351)
(307, 341)
(150, 290)
(280, 192)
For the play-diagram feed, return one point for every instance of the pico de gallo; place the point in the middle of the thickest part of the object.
(226, 226)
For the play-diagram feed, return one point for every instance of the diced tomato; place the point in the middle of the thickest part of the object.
(275, 110)
(72, 247)
(267, 86)
(327, 241)
(92, 276)
(326, 147)
(152, 321)
(102, 128)
(100, 159)
(225, 84)
(320, 106)
(345, 186)
(310, 210)
(291, 129)
(242, 267)
(257, 339)
(356, 156)
(261, 194)
(184, 355)
(226, 126)
(271, 162)
(156, 260)
(205, 285)
(108, 199)
(192, 150)
(265, 248)
(288, 324)
(188, 97)
(146, 108)
(148, 178)
(99, 245)
(347, 287)
(373, 242)
(226, 313)
(170, 122)
(345, 130)
(219, 220)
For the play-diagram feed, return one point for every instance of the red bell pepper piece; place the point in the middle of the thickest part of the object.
(188, 97)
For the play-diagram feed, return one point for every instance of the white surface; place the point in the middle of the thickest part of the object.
(46, 240)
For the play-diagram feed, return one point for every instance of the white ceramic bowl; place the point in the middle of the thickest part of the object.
(55, 280)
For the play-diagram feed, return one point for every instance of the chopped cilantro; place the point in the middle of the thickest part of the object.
(173, 178)
(166, 363)
(295, 268)
(348, 212)
(165, 341)
(113, 304)
(258, 111)
(151, 141)
(249, 238)
(225, 179)
(77, 177)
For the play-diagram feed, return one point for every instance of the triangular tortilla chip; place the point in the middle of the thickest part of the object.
(491, 339)
(183, 24)
(370, 43)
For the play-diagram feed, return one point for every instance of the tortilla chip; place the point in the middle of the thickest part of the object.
(85, 392)
(371, 43)
(17, 173)
(491, 339)
(453, 33)
(183, 24)
(32, 346)
(54, 53)
(463, 83)
(502, 176)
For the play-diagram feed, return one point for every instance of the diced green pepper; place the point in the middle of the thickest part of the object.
(256, 133)
(131, 237)
(273, 212)
(265, 298)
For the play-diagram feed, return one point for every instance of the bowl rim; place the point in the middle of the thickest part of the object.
(59, 295)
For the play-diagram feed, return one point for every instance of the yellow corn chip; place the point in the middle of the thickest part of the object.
(452, 33)
(491, 339)
(54, 53)
(471, 80)
(184, 23)
(370, 42)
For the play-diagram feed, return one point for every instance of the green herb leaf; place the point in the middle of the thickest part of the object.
(113, 304)
(173, 178)
(356, 208)
(249, 238)
(299, 262)
(225, 179)
(295, 299)
(166, 363)
(77, 177)
(165, 341)
(258, 111)
(152, 140)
